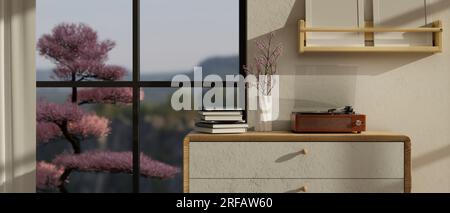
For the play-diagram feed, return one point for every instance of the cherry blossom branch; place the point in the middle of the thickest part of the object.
(48, 175)
(68, 120)
(114, 162)
(107, 96)
(73, 140)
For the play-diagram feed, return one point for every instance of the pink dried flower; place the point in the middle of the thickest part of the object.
(261, 45)
(276, 54)
(114, 162)
(48, 175)
(265, 63)
(261, 61)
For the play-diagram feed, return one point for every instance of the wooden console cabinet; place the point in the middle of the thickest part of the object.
(284, 162)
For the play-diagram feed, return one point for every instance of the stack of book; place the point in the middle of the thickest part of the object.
(221, 122)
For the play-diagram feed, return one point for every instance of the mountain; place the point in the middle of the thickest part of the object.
(220, 65)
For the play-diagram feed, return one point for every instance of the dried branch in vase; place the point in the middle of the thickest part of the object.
(265, 63)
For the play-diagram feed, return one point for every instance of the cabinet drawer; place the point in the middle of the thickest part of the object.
(296, 186)
(229, 160)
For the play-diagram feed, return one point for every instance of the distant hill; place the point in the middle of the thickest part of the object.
(222, 66)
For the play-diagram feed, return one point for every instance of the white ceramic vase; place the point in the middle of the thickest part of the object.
(264, 116)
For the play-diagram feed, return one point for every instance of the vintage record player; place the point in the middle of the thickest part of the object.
(341, 120)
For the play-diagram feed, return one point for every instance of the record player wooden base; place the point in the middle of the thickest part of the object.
(287, 162)
(328, 123)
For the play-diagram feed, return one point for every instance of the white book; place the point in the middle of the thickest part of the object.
(206, 113)
(222, 126)
(207, 108)
(335, 14)
(221, 131)
(394, 14)
(222, 118)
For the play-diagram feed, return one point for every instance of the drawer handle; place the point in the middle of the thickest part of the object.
(303, 189)
(303, 152)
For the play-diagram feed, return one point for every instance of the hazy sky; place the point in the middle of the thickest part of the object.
(175, 34)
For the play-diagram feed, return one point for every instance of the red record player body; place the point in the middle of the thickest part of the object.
(328, 123)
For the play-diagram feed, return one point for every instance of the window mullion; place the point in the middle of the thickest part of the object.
(136, 94)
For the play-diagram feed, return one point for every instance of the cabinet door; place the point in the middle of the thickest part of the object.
(339, 160)
(401, 14)
(296, 186)
(332, 13)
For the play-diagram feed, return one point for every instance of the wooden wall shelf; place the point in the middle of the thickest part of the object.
(435, 28)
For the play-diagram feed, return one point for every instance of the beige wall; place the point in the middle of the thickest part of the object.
(406, 93)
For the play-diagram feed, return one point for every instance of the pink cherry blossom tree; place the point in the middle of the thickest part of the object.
(79, 55)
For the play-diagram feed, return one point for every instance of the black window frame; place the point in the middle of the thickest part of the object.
(137, 84)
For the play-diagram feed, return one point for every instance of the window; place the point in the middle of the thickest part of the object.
(112, 94)
(175, 39)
